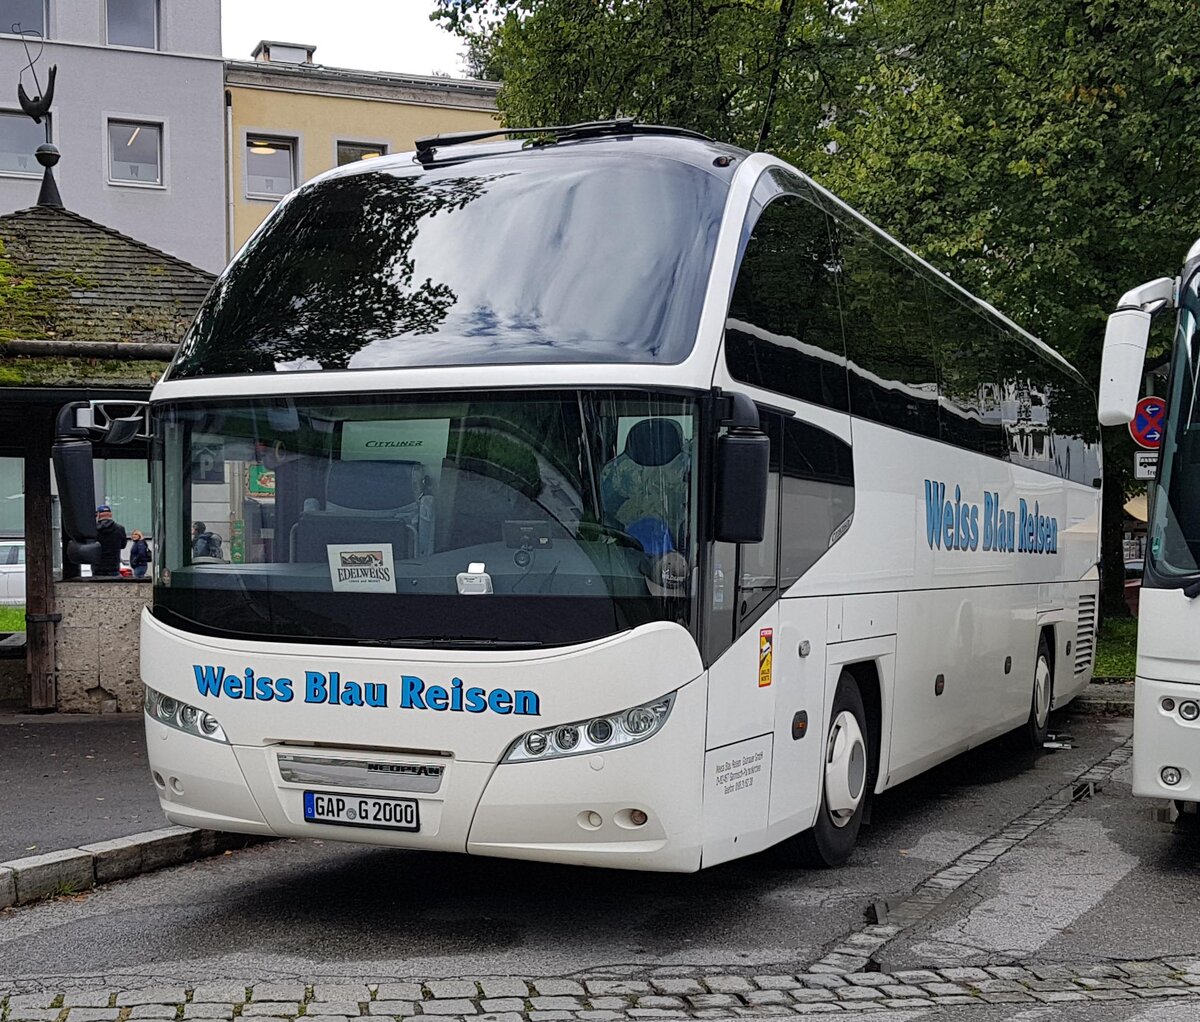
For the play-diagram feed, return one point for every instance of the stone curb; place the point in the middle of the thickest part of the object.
(1104, 697)
(71, 870)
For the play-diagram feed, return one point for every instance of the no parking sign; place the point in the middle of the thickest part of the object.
(1146, 426)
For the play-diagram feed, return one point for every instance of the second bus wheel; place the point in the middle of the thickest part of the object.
(846, 769)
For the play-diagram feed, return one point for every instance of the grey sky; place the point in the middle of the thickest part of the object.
(373, 35)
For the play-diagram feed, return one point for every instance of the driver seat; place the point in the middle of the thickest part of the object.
(648, 482)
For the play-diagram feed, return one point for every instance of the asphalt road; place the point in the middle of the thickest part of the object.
(66, 780)
(1101, 880)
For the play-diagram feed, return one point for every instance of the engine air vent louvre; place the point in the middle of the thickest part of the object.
(1085, 634)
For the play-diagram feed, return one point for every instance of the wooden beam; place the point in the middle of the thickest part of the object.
(129, 351)
(40, 613)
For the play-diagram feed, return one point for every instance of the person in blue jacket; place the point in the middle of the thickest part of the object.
(139, 554)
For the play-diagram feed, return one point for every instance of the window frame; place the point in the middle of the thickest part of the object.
(154, 47)
(135, 121)
(37, 172)
(291, 140)
(45, 27)
(382, 145)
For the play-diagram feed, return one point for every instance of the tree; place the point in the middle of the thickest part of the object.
(727, 68)
(1043, 154)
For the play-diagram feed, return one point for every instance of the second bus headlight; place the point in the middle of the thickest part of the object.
(599, 734)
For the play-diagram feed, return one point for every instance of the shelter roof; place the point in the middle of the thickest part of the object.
(64, 277)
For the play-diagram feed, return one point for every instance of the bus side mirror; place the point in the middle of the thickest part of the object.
(72, 455)
(1125, 341)
(743, 461)
(1122, 365)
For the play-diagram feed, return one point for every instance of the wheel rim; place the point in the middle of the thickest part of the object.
(845, 768)
(1041, 693)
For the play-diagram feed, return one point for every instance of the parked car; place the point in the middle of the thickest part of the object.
(1133, 585)
(12, 571)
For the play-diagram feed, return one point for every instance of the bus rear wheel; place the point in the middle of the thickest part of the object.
(844, 794)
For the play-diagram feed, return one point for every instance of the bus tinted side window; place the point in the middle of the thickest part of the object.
(817, 497)
(972, 355)
(891, 358)
(784, 332)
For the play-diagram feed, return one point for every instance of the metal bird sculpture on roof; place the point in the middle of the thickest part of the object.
(39, 106)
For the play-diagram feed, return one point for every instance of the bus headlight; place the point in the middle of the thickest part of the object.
(599, 734)
(182, 717)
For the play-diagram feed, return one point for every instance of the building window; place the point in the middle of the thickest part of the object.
(351, 152)
(29, 15)
(133, 23)
(134, 153)
(19, 138)
(270, 166)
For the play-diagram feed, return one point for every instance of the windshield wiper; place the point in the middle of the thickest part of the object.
(452, 641)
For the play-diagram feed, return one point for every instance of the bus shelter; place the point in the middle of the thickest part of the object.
(86, 313)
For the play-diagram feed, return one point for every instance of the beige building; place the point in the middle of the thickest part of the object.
(289, 119)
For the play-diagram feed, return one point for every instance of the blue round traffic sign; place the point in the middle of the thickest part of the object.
(1146, 426)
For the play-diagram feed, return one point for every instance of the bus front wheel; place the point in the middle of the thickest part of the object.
(846, 769)
(1038, 725)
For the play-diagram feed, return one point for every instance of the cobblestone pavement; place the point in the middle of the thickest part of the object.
(677, 993)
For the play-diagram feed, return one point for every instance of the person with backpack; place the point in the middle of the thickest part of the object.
(204, 542)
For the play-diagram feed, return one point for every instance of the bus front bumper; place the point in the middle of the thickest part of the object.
(545, 811)
(1163, 739)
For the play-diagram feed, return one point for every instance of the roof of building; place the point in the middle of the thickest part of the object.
(426, 90)
(266, 44)
(64, 277)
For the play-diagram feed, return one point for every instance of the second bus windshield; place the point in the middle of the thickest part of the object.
(1174, 548)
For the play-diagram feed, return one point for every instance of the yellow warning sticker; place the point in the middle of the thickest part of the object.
(766, 649)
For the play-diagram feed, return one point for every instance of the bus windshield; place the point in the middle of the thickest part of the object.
(468, 520)
(527, 258)
(1174, 548)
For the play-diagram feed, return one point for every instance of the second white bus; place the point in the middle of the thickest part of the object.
(623, 499)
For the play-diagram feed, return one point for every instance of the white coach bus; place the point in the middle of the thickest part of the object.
(1166, 720)
(619, 498)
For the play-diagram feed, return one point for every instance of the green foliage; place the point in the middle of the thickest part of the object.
(709, 65)
(1116, 649)
(12, 619)
(1043, 154)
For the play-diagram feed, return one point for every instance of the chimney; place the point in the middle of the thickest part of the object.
(272, 52)
(47, 155)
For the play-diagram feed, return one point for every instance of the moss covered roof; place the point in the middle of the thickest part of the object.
(64, 277)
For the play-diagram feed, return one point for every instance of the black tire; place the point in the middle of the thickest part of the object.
(829, 843)
(1033, 734)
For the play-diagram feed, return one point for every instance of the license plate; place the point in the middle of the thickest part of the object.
(361, 811)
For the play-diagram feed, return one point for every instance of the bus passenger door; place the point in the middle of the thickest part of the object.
(742, 613)
(799, 683)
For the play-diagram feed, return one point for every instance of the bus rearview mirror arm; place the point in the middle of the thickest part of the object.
(743, 461)
(74, 432)
(1125, 340)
